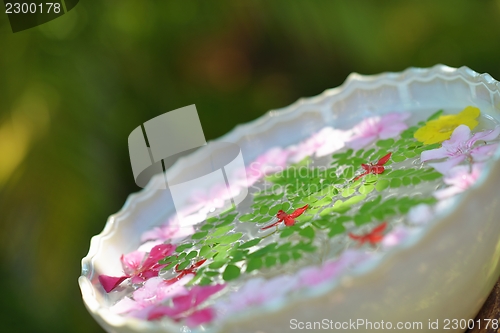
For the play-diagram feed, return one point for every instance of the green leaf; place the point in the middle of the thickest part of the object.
(284, 258)
(199, 235)
(269, 261)
(361, 219)
(335, 229)
(395, 182)
(406, 181)
(205, 281)
(184, 264)
(354, 200)
(211, 273)
(222, 231)
(263, 209)
(262, 251)
(169, 266)
(285, 206)
(296, 255)
(192, 254)
(274, 210)
(246, 218)
(287, 232)
(307, 232)
(435, 115)
(250, 243)
(231, 272)
(206, 227)
(415, 180)
(366, 188)
(217, 264)
(348, 192)
(254, 264)
(385, 143)
(205, 249)
(183, 247)
(398, 158)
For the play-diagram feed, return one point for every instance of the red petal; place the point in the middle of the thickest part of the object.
(161, 312)
(384, 159)
(110, 282)
(379, 228)
(271, 225)
(289, 221)
(298, 211)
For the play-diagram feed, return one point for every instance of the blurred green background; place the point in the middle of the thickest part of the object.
(73, 89)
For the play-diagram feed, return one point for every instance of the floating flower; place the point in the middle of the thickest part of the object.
(461, 147)
(155, 291)
(379, 127)
(373, 237)
(254, 293)
(288, 219)
(272, 161)
(187, 306)
(459, 178)
(325, 142)
(438, 130)
(396, 236)
(187, 271)
(171, 231)
(138, 266)
(374, 168)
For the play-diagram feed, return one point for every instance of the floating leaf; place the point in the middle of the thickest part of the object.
(205, 281)
(366, 188)
(199, 235)
(284, 258)
(263, 209)
(192, 254)
(388, 143)
(211, 273)
(254, 264)
(348, 192)
(184, 264)
(274, 210)
(231, 272)
(183, 247)
(435, 115)
(222, 231)
(296, 255)
(287, 232)
(269, 261)
(395, 182)
(307, 232)
(216, 264)
(250, 243)
(336, 229)
(246, 218)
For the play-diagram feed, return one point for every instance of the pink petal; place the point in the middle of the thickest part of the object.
(444, 167)
(459, 135)
(433, 154)
(395, 117)
(157, 253)
(162, 311)
(109, 282)
(125, 305)
(200, 317)
(361, 142)
(482, 153)
(486, 135)
(131, 262)
(392, 130)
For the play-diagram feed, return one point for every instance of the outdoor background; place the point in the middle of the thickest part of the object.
(73, 89)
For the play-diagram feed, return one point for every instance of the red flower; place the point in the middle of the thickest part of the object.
(184, 272)
(289, 219)
(373, 237)
(376, 168)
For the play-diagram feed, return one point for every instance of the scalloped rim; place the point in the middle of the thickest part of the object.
(263, 123)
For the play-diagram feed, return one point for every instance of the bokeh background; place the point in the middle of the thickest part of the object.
(73, 89)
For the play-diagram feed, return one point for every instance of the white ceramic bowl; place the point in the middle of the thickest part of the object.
(446, 271)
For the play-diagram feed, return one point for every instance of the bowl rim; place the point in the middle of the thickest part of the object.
(355, 80)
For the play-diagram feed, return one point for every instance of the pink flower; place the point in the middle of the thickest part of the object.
(396, 236)
(187, 306)
(170, 231)
(459, 178)
(273, 160)
(378, 127)
(255, 292)
(323, 143)
(152, 293)
(138, 266)
(461, 146)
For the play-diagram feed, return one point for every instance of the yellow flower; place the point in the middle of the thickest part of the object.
(440, 129)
